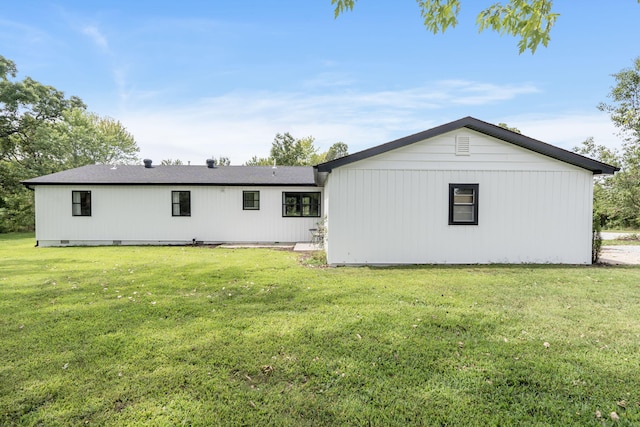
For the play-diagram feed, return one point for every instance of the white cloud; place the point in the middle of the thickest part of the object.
(96, 36)
(568, 129)
(477, 93)
(242, 124)
(119, 69)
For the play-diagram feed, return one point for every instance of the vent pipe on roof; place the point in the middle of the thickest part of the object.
(147, 163)
(211, 163)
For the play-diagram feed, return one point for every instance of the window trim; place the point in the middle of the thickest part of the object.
(256, 201)
(84, 210)
(452, 204)
(179, 203)
(299, 204)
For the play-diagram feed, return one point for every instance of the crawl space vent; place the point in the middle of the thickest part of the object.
(462, 146)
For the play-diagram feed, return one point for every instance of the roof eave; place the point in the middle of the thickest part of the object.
(30, 184)
(596, 167)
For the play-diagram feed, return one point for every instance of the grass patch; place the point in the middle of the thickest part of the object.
(621, 242)
(314, 259)
(201, 336)
(628, 240)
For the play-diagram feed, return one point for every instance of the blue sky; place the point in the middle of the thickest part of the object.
(195, 79)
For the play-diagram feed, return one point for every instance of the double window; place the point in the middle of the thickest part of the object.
(301, 204)
(81, 203)
(463, 204)
(181, 203)
(251, 200)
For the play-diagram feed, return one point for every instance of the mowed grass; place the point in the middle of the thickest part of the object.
(630, 241)
(168, 336)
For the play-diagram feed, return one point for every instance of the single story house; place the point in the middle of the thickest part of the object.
(464, 192)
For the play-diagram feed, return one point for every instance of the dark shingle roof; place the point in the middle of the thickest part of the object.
(483, 127)
(179, 174)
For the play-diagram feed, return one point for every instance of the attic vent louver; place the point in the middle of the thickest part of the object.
(211, 163)
(147, 163)
(463, 146)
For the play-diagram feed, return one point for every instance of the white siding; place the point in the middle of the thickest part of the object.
(393, 208)
(136, 214)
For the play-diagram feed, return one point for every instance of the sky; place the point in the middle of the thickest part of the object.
(198, 79)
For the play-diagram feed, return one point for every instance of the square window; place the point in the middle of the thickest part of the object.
(81, 203)
(251, 200)
(181, 203)
(463, 204)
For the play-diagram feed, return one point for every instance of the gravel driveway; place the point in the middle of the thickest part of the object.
(620, 255)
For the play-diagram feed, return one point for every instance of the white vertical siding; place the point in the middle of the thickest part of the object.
(393, 208)
(142, 214)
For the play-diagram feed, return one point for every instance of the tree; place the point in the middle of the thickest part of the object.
(337, 150)
(625, 114)
(625, 110)
(222, 161)
(604, 154)
(288, 151)
(41, 132)
(83, 138)
(617, 198)
(25, 106)
(507, 127)
(169, 162)
(605, 208)
(259, 161)
(531, 20)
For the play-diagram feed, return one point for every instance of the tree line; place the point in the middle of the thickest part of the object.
(41, 132)
(289, 151)
(286, 150)
(616, 202)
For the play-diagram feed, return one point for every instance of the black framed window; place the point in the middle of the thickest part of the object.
(181, 203)
(463, 204)
(301, 204)
(250, 200)
(81, 203)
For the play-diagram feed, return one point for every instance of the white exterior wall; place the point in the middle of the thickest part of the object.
(393, 208)
(135, 214)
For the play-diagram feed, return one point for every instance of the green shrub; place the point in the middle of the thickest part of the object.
(596, 240)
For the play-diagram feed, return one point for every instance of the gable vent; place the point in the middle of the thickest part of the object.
(463, 146)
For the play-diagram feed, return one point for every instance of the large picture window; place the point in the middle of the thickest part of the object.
(251, 200)
(181, 203)
(81, 203)
(463, 204)
(300, 204)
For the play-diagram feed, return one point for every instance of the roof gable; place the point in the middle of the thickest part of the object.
(498, 132)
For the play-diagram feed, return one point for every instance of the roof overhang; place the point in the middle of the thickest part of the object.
(596, 167)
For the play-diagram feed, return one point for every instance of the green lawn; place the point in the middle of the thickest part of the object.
(631, 240)
(620, 242)
(169, 336)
